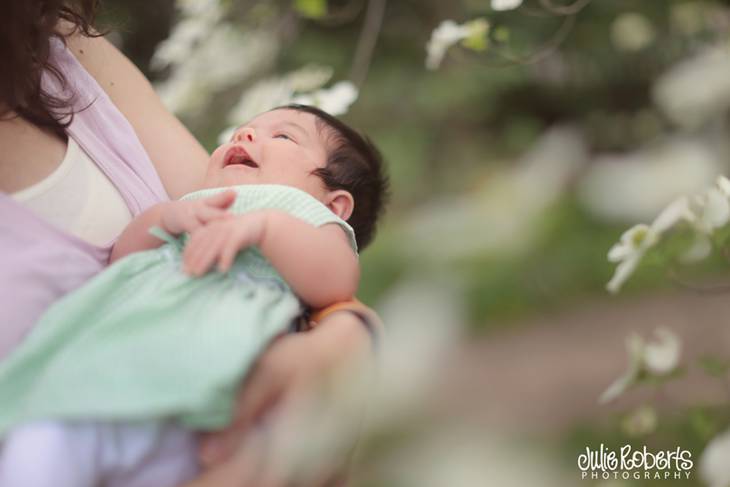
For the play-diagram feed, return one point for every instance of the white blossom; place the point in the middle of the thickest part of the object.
(713, 210)
(659, 357)
(309, 78)
(705, 212)
(714, 467)
(273, 92)
(264, 95)
(210, 67)
(635, 347)
(500, 5)
(713, 207)
(723, 184)
(700, 249)
(637, 240)
(444, 36)
(198, 19)
(449, 33)
(677, 211)
(335, 100)
(176, 48)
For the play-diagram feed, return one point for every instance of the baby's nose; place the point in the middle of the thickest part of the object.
(246, 133)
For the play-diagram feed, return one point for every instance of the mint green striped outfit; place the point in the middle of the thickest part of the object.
(143, 340)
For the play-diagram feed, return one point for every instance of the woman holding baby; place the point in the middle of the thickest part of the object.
(70, 184)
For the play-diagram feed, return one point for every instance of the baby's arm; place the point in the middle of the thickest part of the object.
(174, 217)
(317, 262)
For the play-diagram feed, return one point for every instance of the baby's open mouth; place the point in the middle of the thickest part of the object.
(237, 155)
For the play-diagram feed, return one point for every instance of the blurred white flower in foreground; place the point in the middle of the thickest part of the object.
(505, 4)
(504, 215)
(636, 186)
(635, 241)
(405, 440)
(447, 34)
(713, 464)
(425, 319)
(659, 357)
(335, 100)
(424, 325)
(697, 89)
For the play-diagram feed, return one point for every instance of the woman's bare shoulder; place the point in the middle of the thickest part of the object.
(178, 157)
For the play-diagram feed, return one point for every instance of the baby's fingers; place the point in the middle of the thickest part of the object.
(228, 253)
(207, 214)
(196, 245)
(208, 252)
(221, 200)
(191, 248)
(230, 248)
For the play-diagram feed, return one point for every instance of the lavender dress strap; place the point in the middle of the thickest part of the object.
(39, 263)
(105, 134)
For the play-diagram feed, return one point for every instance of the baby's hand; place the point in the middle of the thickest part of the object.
(220, 241)
(187, 216)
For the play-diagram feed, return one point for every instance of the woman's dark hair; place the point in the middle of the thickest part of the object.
(26, 27)
(355, 165)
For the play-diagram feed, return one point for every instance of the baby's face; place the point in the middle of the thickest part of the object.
(278, 147)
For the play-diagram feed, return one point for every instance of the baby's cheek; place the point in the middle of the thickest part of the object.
(217, 155)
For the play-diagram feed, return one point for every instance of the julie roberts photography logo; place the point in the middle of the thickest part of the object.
(629, 463)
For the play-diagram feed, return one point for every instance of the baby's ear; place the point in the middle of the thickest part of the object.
(340, 202)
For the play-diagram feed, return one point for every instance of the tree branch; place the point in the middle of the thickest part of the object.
(366, 43)
(571, 9)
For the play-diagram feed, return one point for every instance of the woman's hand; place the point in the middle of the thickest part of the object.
(289, 365)
(220, 241)
(187, 216)
(293, 366)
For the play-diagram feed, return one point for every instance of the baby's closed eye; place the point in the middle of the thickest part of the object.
(284, 137)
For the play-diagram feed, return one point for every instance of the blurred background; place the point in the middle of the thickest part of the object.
(516, 161)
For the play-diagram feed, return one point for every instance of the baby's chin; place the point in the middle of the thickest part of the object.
(223, 178)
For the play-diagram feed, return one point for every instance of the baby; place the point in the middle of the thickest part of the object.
(116, 377)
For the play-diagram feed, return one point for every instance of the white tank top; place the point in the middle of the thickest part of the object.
(78, 198)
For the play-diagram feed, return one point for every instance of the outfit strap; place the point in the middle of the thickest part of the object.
(367, 316)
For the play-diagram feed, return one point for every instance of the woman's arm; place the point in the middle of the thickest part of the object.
(317, 262)
(294, 363)
(177, 156)
(174, 217)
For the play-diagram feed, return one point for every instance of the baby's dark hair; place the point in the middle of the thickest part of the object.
(355, 165)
